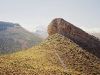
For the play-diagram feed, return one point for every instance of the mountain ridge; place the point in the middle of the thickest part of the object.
(80, 37)
(45, 59)
(96, 35)
(56, 55)
(13, 38)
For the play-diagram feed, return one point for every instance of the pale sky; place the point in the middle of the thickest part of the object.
(37, 14)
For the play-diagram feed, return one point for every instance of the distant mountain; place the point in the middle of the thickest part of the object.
(96, 35)
(57, 55)
(80, 37)
(41, 33)
(13, 37)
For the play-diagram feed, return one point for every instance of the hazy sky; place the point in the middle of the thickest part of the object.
(38, 14)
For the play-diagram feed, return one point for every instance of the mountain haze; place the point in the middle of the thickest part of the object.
(13, 37)
(96, 35)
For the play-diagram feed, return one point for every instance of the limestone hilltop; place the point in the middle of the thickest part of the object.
(80, 37)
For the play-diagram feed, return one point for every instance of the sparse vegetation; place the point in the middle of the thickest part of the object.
(43, 59)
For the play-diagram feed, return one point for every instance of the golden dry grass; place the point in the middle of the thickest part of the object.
(55, 56)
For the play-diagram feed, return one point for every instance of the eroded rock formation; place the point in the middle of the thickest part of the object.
(83, 39)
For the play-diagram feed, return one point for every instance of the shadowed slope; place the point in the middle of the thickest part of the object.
(57, 55)
(80, 37)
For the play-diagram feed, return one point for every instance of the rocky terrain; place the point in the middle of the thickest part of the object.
(13, 37)
(59, 54)
(80, 37)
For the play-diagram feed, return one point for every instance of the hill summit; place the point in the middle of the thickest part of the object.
(80, 37)
(7, 25)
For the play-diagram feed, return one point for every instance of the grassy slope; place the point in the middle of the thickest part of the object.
(55, 56)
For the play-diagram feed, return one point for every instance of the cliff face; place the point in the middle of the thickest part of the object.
(83, 39)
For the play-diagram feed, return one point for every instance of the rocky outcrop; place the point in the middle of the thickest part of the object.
(80, 37)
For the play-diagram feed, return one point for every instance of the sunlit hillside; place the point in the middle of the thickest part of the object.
(55, 56)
